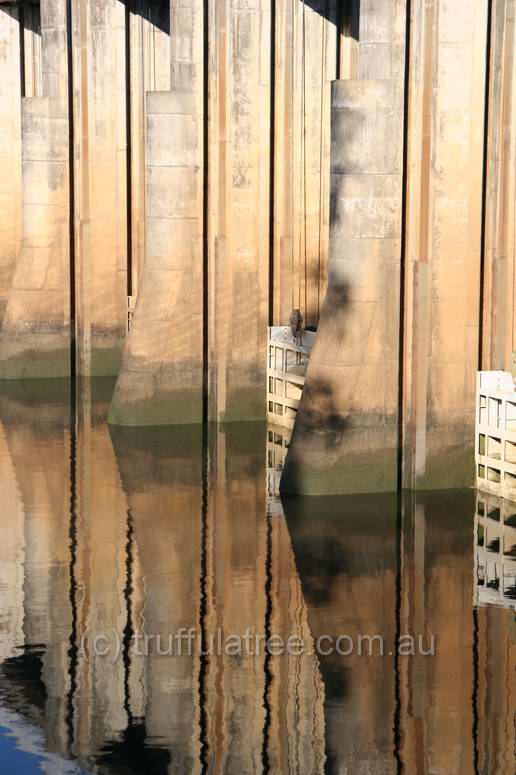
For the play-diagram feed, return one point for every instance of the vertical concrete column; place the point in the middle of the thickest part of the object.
(54, 63)
(30, 24)
(10, 149)
(101, 247)
(345, 435)
(498, 335)
(305, 63)
(443, 241)
(34, 336)
(239, 198)
(149, 71)
(160, 381)
(34, 339)
(239, 207)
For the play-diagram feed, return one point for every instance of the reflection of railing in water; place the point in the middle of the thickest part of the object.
(495, 551)
(278, 439)
(138, 570)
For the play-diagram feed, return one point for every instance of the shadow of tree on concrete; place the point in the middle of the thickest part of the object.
(319, 411)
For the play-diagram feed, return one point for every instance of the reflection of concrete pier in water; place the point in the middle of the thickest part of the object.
(146, 532)
(377, 565)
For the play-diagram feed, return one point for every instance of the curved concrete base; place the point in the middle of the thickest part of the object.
(34, 355)
(363, 461)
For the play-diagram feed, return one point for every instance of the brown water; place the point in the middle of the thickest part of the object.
(109, 535)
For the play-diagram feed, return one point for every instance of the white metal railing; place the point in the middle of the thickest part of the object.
(287, 362)
(495, 431)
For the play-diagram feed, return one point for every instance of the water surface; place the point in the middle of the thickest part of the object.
(113, 535)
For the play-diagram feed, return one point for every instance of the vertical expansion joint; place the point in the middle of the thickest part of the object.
(403, 245)
(272, 161)
(205, 215)
(71, 185)
(128, 152)
(485, 164)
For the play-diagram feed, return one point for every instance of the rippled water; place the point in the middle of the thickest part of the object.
(110, 535)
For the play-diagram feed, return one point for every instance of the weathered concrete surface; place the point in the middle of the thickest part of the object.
(265, 219)
(499, 323)
(54, 64)
(10, 150)
(34, 336)
(443, 241)
(240, 194)
(442, 286)
(149, 71)
(345, 435)
(263, 118)
(160, 381)
(305, 63)
(101, 196)
(239, 208)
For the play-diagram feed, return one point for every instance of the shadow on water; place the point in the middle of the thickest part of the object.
(173, 532)
(345, 550)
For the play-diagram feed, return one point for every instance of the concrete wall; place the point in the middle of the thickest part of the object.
(149, 71)
(100, 186)
(305, 63)
(456, 255)
(250, 240)
(443, 241)
(34, 334)
(10, 149)
(261, 103)
(345, 435)
(161, 377)
(498, 314)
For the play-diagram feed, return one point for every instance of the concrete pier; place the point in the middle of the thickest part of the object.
(174, 159)
(10, 150)
(160, 381)
(345, 437)
(35, 330)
